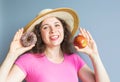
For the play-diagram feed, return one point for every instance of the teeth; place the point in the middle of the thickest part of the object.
(54, 37)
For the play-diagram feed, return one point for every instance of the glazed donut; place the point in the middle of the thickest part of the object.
(28, 38)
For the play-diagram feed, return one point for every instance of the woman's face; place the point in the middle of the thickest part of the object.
(52, 32)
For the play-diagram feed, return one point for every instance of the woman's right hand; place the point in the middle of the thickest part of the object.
(16, 46)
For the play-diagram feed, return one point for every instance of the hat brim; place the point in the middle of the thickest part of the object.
(65, 14)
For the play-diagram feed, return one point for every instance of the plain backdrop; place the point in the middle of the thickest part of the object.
(100, 17)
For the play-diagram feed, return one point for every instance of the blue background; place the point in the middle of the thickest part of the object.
(100, 17)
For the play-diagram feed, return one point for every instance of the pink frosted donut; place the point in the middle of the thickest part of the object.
(28, 38)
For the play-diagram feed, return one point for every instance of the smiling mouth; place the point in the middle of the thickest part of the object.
(55, 37)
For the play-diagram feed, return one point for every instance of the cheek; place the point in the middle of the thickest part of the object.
(61, 30)
(44, 35)
(62, 33)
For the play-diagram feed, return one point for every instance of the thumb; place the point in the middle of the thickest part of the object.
(28, 48)
(78, 49)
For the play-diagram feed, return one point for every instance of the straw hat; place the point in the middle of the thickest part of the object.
(65, 14)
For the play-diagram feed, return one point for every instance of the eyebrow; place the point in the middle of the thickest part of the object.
(48, 24)
(43, 25)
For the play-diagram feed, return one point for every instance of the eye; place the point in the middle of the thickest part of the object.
(45, 27)
(57, 25)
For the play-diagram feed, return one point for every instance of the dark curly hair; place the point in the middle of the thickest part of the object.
(66, 45)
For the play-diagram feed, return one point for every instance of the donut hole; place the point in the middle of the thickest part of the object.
(29, 39)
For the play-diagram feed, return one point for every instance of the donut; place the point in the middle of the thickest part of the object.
(28, 39)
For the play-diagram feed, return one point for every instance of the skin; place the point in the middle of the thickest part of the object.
(52, 31)
(53, 34)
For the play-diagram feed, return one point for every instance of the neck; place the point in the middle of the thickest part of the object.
(55, 52)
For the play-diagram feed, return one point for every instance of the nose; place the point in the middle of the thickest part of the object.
(52, 29)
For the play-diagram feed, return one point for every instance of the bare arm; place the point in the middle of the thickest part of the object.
(99, 74)
(16, 75)
(16, 49)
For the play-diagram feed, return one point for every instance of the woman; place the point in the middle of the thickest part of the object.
(52, 58)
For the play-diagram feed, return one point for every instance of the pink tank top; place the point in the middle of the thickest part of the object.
(39, 69)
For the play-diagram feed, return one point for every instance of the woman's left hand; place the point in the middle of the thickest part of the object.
(91, 48)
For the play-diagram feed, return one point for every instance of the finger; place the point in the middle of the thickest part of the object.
(28, 48)
(18, 34)
(15, 36)
(81, 31)
(89, 35)
(84, 33)
(78, 49)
